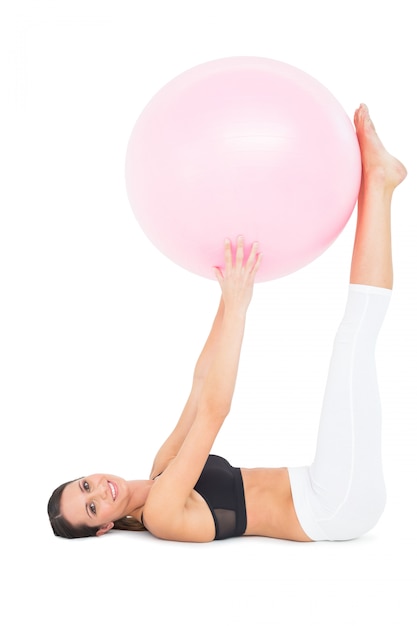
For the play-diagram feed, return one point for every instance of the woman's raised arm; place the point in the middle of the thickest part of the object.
(173, 443)
(170, 493)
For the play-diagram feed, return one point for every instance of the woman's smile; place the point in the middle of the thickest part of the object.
(113, 489)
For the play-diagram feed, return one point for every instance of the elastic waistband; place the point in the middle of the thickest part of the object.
(369, 289)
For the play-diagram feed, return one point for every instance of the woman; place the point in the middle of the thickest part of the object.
(194, 496)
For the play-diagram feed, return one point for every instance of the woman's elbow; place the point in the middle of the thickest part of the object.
(215, 410)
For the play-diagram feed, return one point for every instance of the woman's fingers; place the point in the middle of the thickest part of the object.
(240, 252)
(257, 263)
(254, 259)
(252, 263)
(228, 256)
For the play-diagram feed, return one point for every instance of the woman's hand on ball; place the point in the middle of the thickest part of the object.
(237, 277)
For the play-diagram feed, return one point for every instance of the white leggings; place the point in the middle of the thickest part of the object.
(342, 494)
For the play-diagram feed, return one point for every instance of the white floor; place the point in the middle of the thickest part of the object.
(99, 332)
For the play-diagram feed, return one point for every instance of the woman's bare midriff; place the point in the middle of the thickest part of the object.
(269, 504)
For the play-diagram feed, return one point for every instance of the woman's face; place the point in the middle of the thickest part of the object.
(96, 500)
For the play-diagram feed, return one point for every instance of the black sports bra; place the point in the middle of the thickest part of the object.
(221, 486)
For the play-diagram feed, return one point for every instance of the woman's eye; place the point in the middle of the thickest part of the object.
(93, 508)
(86, 486)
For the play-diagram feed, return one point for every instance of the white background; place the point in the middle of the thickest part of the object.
(100, 332)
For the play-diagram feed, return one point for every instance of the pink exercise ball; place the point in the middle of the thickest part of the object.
(243, 146)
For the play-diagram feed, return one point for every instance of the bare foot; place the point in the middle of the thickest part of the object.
(376, 161)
